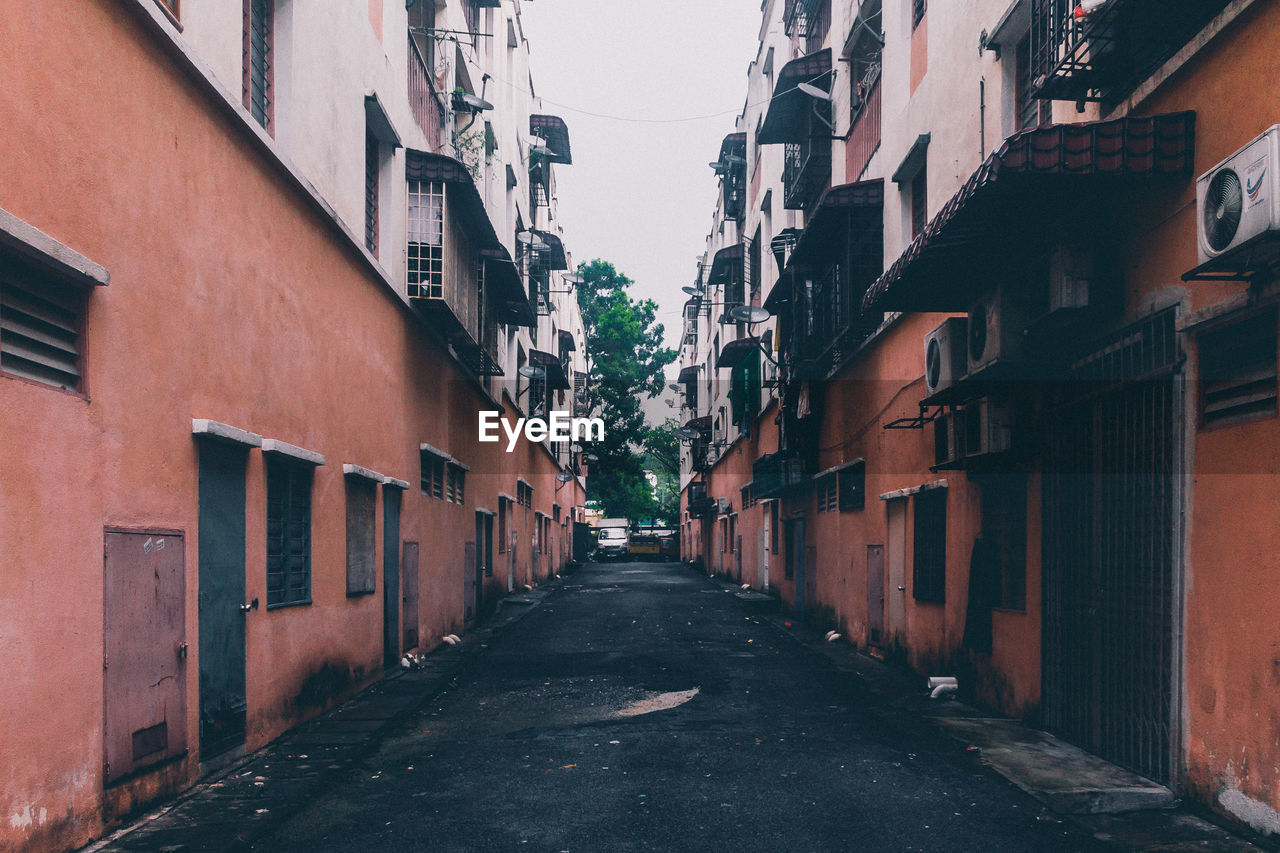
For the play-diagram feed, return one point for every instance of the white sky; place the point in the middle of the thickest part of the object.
(640, 194)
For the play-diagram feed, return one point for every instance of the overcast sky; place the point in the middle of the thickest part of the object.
(639, 192)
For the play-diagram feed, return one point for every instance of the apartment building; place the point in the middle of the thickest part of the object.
(261, 267)
(1025, 421)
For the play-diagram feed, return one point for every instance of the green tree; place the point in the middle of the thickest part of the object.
(662, 453)
(625, 359)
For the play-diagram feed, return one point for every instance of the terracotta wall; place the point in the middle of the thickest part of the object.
(230, 299)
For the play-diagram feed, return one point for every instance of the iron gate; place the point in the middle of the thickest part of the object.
(1110, 521)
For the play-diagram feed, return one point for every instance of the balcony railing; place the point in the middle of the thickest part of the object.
(864, 138)
(775, 473)
(1106, 54)
(424, 100)
(806, 171)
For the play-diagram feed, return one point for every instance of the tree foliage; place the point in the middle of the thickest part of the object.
(662, 450)
(626, 360)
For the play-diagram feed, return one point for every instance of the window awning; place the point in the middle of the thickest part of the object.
(502, 277)
(556, 378)
(688, 374)
(829, 230)
(735, 144)
(735, 352)
(1021, 199)
(788, 117)
(553, 258)
(725, 262)
(702, 424)
(555, 133)
(424, 166)
(567, 343)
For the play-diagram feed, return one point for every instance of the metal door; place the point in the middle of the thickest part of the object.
(488, 551)
(1110, 514)
(221, 555)
(409, 598)
(897, 558)
(145, 650)
(737, 559)
(797, 557)
(719, 569)
(391, 576)
(762, 551)
(875, 594)
(470, 569)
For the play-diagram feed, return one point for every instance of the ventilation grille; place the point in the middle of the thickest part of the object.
(40, 333)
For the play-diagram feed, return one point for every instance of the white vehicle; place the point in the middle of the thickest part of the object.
(614, 539)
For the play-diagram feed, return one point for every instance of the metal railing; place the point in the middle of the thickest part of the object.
(424, 100)
(806, 171)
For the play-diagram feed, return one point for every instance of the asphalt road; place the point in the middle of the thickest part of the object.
(641, 708)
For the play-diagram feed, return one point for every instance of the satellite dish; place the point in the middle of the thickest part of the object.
(731, 160)
(674, 387)
(687, 433)
(813, 91)
(472, 102)
(691, 290)
(718, 167)
(532, 240)
(749, 313)
(563, 477)
(529, 371)
(575, 448)
(591, 457)
(572, 278)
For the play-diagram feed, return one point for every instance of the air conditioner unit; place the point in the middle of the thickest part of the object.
(1071, 274)
(996, 323)
(948, 448)
(944, 355)
(988, 427)
(1239, 199)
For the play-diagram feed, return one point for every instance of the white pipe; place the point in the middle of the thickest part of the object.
(943, 690)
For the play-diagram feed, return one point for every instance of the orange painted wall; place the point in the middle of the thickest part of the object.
(230, 299)
(1231, 713)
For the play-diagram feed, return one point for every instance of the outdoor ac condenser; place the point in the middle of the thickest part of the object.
(944, 355)
(1238, 200)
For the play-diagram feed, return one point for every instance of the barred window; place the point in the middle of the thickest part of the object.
(456, 484)
(433, 480)
(258, 58)
(41, 327)
(918, 8)
(288, 532)
(1238, 371)
(929, 568)
(371, 193)
(828, 494)
(426, 239)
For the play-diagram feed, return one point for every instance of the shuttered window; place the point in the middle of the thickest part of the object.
(362, 501)
(288, 532)
(853, 487)
(41, 327)
(455, 491)
(1238, 371)
(432, 474)
(929, 569)
(828, 493)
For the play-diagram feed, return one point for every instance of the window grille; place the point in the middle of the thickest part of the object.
(371, 193)
(456, 486)
(918, 8)
(919, 200)
(433, 480)
(258, 59)
(426, 239)
(852, 487)
(288, 532)
(929, 569)
(828, 494)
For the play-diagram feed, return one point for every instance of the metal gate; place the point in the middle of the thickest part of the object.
(1110, 516)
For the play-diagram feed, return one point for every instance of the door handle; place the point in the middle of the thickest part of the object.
(252, 605)
(182, 651)
(902, 589)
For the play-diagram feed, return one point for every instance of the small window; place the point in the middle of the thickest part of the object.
(455, 488)
(362, 504)
(371, 193)
(1238, 371)
(853, 487)
(41, 327)
(288, 532)
(259, 34)
(929, 569)
(426, 239)
(918, 8)
(920, 200)
(828, 494)
(433, 474)
(504, 507)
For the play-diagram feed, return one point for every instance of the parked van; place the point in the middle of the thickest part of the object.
(614, 539)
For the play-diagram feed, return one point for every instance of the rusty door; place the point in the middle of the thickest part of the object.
(221, 556)
(875, 594)
(390, 576)
(409, 595)
(145, 663)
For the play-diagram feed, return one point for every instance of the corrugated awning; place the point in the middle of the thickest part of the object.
(554, 258)
(788, 117)
(504, 279)
(701, 424)
(550, 363)
(1021, 199)
(734, 143)
(567, 343)
(688, 374)
(424, 166)
(555, 133)
(733, 353)
(829, 230)
(725, 262)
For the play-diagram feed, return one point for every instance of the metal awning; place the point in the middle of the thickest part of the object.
(567, 343)
(725, 262)
(424, 166)
(556, 378)
(788, 117)
(555, 133)
(470, 352)
(734, 143)
(735, 352)
(1015, 202)
(553, 258)
(688, 374)
(701, 424)
(502, 277)
(829, 230)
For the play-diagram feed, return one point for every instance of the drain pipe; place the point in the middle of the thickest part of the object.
(942, 685)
